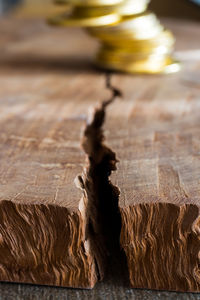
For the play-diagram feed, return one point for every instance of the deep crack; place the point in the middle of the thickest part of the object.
(104, 222)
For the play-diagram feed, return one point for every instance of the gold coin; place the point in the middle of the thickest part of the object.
(86, 17)
(164, 38)
(132, 7)
(92, 11)
(124, 57)
(162, 44)
(130, 53)
(88, 2)
(141, 27)
(150, 65)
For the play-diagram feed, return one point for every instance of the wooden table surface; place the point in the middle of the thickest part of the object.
(33, 53)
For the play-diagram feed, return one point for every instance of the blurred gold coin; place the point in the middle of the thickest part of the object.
(86, 17)
(162, 44)
(131, 53)
(123, 57)
(150, 65)
(141, 27)
(132, 7)
(164, 38)
(89, 2)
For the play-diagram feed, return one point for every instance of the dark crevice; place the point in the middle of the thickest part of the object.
(104, 221)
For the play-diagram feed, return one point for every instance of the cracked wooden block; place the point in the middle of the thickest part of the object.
(56, 230)
(158, 147)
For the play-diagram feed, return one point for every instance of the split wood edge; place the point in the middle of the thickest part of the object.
(174, 265)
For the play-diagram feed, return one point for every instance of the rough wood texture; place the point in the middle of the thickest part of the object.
(45, 69)
(44, 221)
(158, 146)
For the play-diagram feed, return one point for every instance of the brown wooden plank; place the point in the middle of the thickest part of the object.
(43, 109)
(155, 133)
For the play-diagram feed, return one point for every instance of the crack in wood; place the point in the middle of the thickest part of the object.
(103, 215)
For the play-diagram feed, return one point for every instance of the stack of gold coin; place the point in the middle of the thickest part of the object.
(88, 13)
(132, 39)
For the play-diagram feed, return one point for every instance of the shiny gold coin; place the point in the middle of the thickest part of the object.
(162, 44)
(141, 27)
(150, 65)
(86, 17)
(164, 37)
(93, 11)
(132, 7)
(123, 57)
(89, 2)
(130, 53)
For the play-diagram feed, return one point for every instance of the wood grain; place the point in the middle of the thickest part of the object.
(43, 206)
(157, 142)
(42, 70)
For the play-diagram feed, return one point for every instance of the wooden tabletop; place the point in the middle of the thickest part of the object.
(52, 61)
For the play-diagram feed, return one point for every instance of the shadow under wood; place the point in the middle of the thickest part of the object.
(35, 64)
(117, 270)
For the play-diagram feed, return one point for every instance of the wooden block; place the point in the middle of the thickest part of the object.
(56, 230)
(47, 234)
(155, 134)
